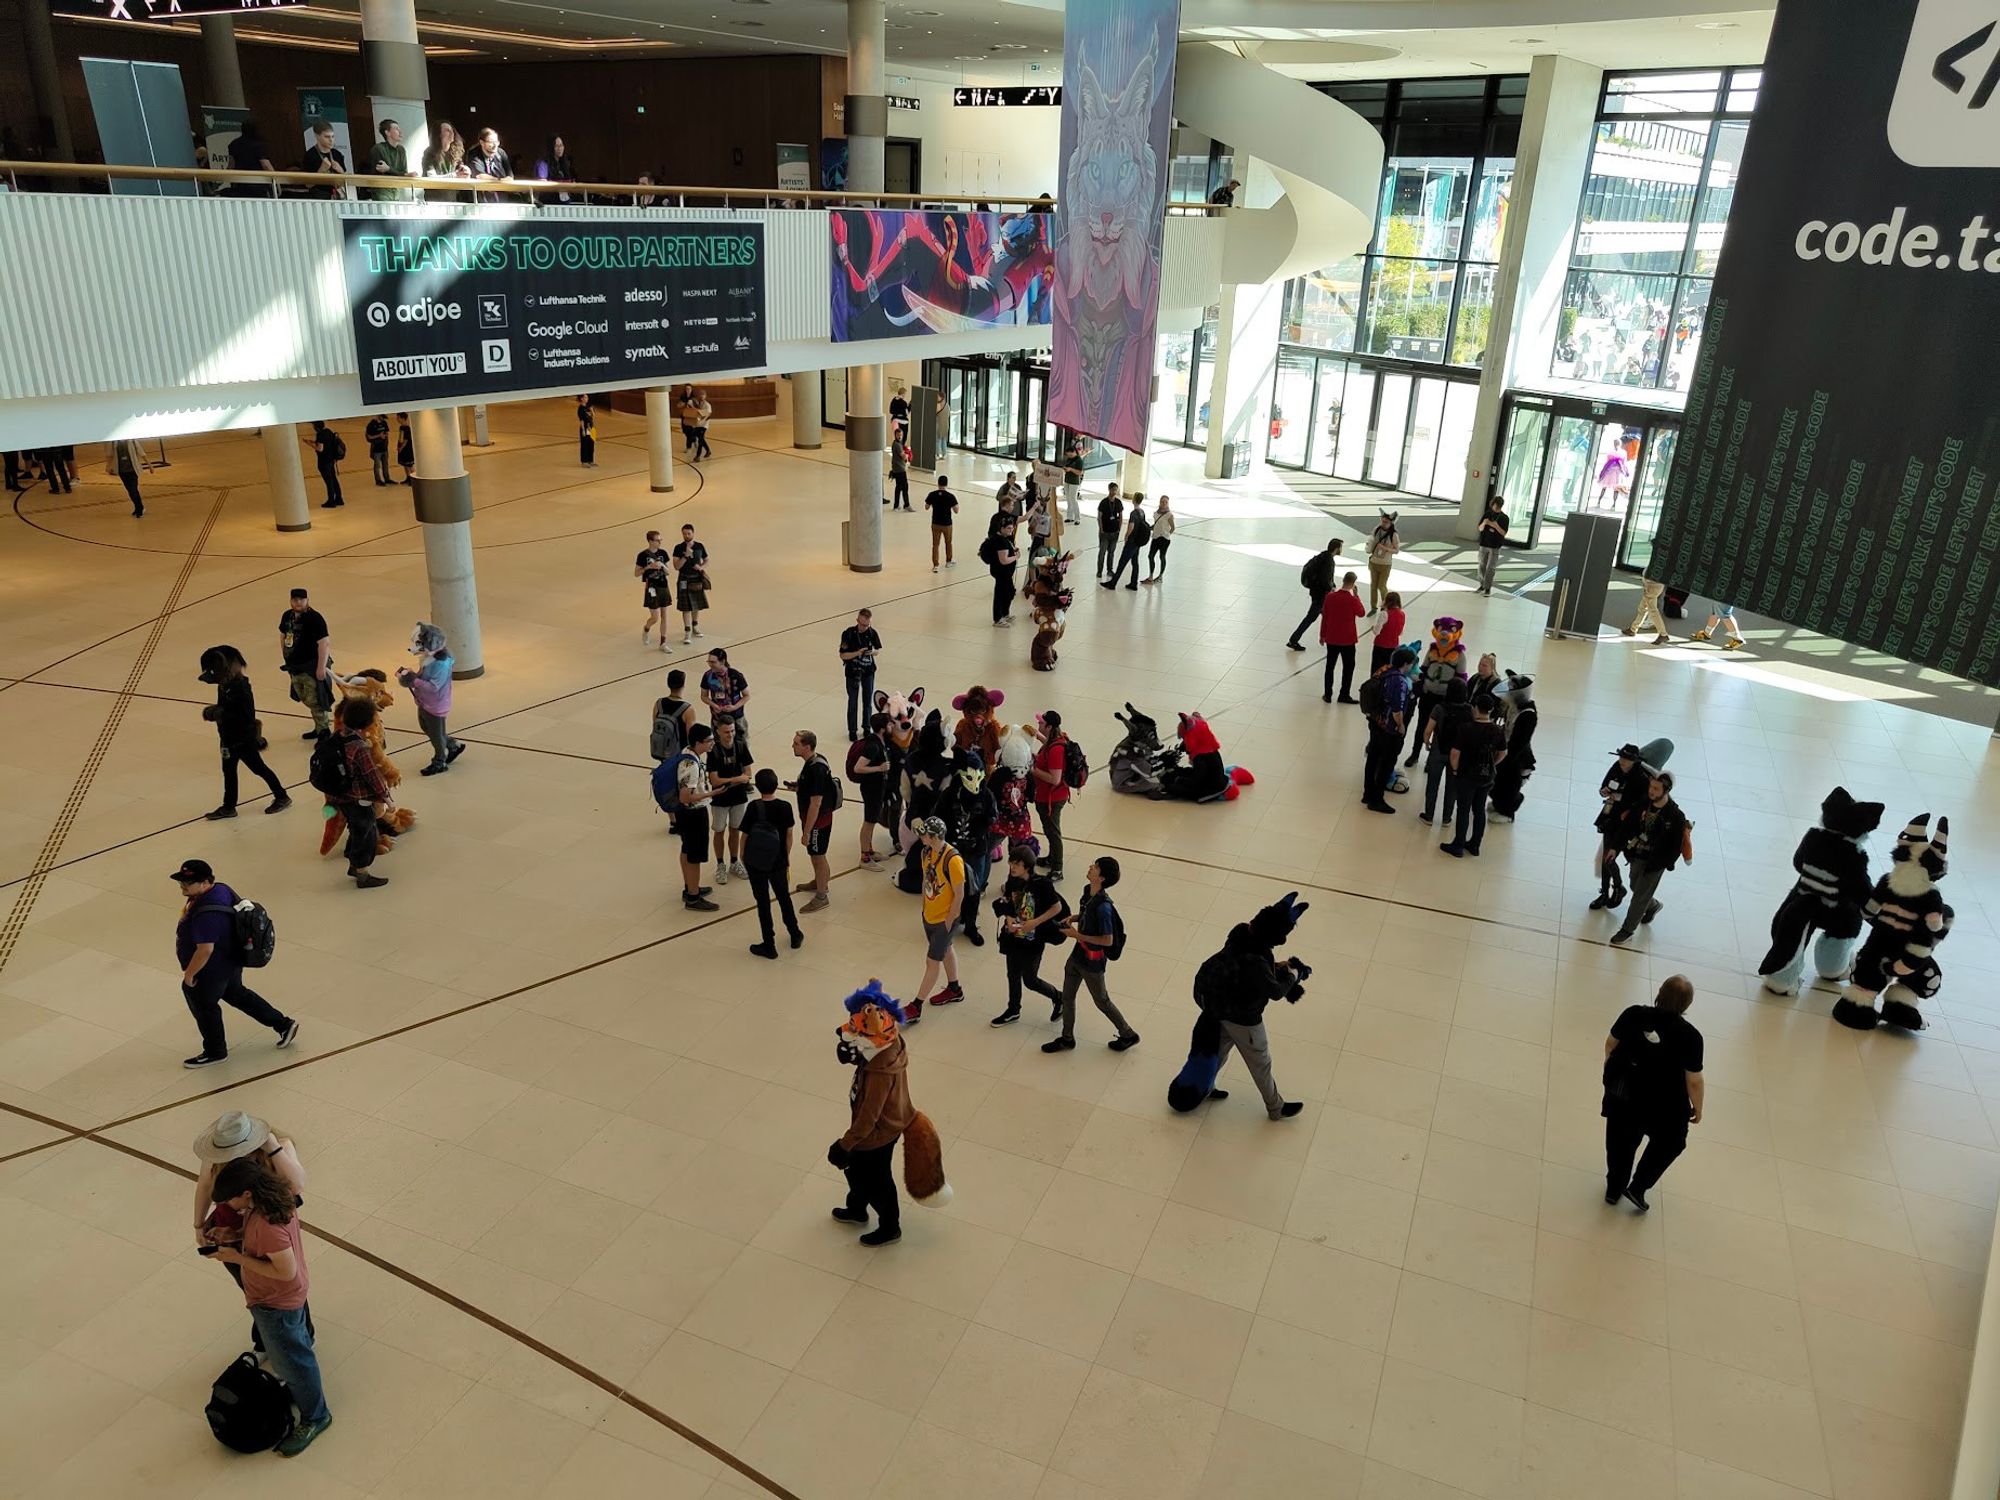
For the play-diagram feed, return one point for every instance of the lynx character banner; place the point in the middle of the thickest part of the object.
(1838, 465)
(1117, 113)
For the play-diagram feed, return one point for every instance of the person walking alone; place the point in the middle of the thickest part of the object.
(1340, 633)
(586, 433)
(1163, 538)
(1383, 545)
(858, 644)
(1099, 933)
(1653, 1091)
(234, 714)
(696, 414)
(1492, 537)
(307, 654)
(1650, 593)
(429, 686)
(212, 966)
(125, 457)
(879, 1112)
(767, 851)
(1317, 579)
(1656, 839)
(328, 450)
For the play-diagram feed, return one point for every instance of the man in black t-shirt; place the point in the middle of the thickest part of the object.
(814, 789)
(1478, 745)
(324, 158)
(1653, 1089)
(858, 645)
(377, 433)
(941, 503)
(302, 635)
(1492, 537)
(1110, 521)
(729, 769)
(767, 848)
(654, 568)
(1138, 532)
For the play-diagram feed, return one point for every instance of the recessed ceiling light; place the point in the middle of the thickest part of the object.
(1526, 41)
(926, 12)
(1715, 25)
(752, 25)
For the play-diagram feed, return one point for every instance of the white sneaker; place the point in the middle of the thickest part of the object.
(646, 636)
(952, 564)
(934, 567)
(736, 869)
(721, 872)
(697, 632)
(687, 637)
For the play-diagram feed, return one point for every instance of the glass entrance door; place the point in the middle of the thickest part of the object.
(1559, 456)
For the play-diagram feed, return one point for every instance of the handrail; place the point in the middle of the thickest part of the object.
(527, 187)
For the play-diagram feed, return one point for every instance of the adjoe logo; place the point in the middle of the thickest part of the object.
(1944, 114)
(378, 315)
(425, 310)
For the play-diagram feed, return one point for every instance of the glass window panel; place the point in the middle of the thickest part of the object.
(1327, 414)
(1743, 86)
(1571, 468)
(1204, 377)
(1385, 459)
(1612, 465)
(1521, 462)
(1489, 209)
(1648, 496)
(1717, 195)
(1170, 411)
(1324, 307)
(1455, 439)
(1640, 195)
(1426, 424)
(1661, 93)
(1409, 304)
(1684, 346)
(1040, 441)
(1422, 209)
(1613, 328)
(1356, 403)
(1475, 314)
(1291, 408)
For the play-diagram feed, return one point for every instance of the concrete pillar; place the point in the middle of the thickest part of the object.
(286, 475)
(660, 429)
(1556, 131)
(45, 79)
(1132, 473)
(218, 55)
(867, 427)
(808, 410)
(472, 426)
(399, 85)
(443, 496)
(1246, 360)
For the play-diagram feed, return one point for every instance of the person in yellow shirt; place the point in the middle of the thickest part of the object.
(944, 901)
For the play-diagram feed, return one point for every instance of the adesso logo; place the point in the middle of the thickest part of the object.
(425, 310)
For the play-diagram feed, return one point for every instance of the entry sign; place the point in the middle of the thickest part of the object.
(449, 308)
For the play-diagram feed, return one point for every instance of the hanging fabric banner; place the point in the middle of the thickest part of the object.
(1117, 112)
(1840, 464)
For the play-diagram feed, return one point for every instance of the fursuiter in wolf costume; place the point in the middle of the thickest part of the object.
(1907, 919)
(1833, 886)
(1510, 777)
(1231, 988)
(901, 711)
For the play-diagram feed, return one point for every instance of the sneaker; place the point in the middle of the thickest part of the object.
(1288, 1111)
(453, 750)
(974, 936)
(1106, 583)
(289, 1035)
(934, 567)
(722, 872)
(1006, 1017)
(884, 1236)
(818, 903)
(1381, 807)
(1499, 817)
(687, 637)
(1637, 1199)
(1653, 909)
(951, 994)
(203, 1059)
(698, 903)
(1612, 1194)
(705, 890)
(1456, 851)
(366, 882)
(697, 632)
(303, 1435)
(435, 768)
(1294, 645)
(1124, 1043)
(736, 869)
(1620, 938)
(1060, 1044)
(219, 814)
(1347, 698)
(804, 886)
(310, 734)
(646, 636)
(848, 1215)
(277, 804)
(798, 939)
(1600, 903)
(764, 950)
(952, 564)
(1426, 819)
(1132, 588)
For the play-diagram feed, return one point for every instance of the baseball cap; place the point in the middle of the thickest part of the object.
(193, 869)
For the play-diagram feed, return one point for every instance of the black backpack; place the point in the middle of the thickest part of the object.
(336, 445)
(667, 728)
(248, 1408)
(835, 798)
(1117, 949)
(1076, 765)
(1371, 696)
(989, 551)
(328, 770)
(254, 937)
(763, 841)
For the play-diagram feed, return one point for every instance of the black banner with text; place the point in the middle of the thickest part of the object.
(1837, 469)
(449, 308)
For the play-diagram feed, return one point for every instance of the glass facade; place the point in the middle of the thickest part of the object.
(1656, 198)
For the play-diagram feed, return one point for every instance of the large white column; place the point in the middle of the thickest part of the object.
(660, 439)
(218, 55)
(1246, 360)
(443, 496)
(808, 409)
(286, 477)
(1556, 131)
(1132, 470)
(867, 427)
(398, 80)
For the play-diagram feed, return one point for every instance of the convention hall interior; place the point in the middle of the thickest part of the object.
(1514, 1006)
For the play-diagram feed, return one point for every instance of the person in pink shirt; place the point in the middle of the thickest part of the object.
(1388, 635)
(1339, 631)
(272, 1262)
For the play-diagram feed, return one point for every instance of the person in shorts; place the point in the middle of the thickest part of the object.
(944, 900)
(691, 822)
(654, 568)
(868, 769)
(730, 769)
(814, 789)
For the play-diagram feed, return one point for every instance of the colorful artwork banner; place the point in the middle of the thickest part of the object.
(1117, 113)
(896, 274)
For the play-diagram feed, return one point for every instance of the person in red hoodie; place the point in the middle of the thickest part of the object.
(1339, 629)
(1388, 634)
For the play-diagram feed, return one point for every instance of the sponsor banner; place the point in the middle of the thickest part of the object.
(898, 273)
(444, 309)
(794, 168)
(1118, 77)
(1840, 461)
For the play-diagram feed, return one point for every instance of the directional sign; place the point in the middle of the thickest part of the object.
(161, 10)
(1008, 97)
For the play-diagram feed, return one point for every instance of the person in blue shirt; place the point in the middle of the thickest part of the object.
(1387, 704)
(211, 973)
(1095, 932)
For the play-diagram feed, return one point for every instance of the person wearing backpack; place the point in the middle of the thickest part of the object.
(1099, 935)
(1340, 633)
(942, 871)
(1385, 703)
(343, 770)
(1316, 578)
(1653, 1090)
(694, 792)
(1057, 770)
(868, 769)
(1001, 557)
(1477, 746)
(211, 964)
(818, 791)
(673, 719)
(328, 451)
(1029, 913)
(767, 851)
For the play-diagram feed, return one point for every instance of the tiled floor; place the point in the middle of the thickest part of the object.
(547, 1114)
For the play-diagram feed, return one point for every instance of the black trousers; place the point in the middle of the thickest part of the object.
(1131, 554)
(1665, 1140)
(1107, 551)
(1003, 591)
(330, 477)
(55, 471)
(586, 448)
(860, 701)
(1024, 972)
(14, 476)
(131, 483)
(871, 1183)
(1469, 831)
(362, 832)
(1156, 555)
(766, 885)
(701, 448)
(246, 755)
(1345, 656)
(902, 489)
(1312, 615)
(1379, 769)
(211, 991)
(1425, 704)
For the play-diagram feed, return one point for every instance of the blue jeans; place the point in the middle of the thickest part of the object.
(860, 702)
(290, 1348)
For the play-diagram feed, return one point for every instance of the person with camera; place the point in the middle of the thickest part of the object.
(1232, 987)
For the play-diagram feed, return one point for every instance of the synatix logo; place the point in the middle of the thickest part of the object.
(1944, 113)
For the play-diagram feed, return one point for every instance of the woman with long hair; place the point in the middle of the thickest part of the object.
(232, 1136)
(272, 1260)
(446, 154)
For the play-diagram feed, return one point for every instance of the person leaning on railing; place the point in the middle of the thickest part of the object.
(446, 156)
(248, 153)
(390, 158)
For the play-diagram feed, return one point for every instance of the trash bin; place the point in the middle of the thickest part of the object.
(1235, 460)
